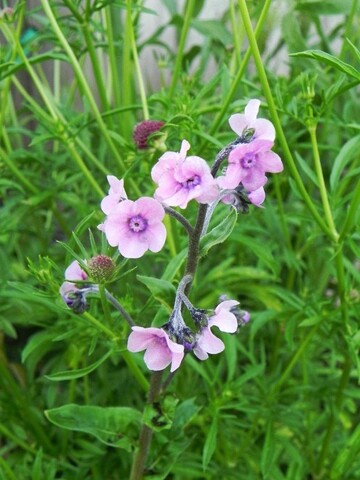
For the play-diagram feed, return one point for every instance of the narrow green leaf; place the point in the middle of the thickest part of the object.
(36, 473)
(114, 426)
(346, 154)
(210, 443)
(306, 168)
(78, 373)
(157, 286)
(267, 455)
(347, 456)
(174, 266)
(219, 233)
(324, 7)
(329, 60)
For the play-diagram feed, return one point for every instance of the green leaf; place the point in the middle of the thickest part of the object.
(219, 233)
(210, 443)
(78, 373)
(174, 266)
(354, 49)
(37, 470)
(10, 68)
(329, 60)
(306, 168)
(347, 153)
(157, 286)
(114, 426)
(213, 29)
(347, 456)
(267, 455)
(159, 416)
(324, 7)
(309, 322)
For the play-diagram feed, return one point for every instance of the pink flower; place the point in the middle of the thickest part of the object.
(241, 122)
(116, 194)
(207, 343)
(160, 350)
(257, 197)
(181, 179)
(70, 293)
(248, 163)
(135, 227)
(223, 318)
(226, 321)
(75, 273)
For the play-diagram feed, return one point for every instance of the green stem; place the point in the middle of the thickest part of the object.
(137, 469)
(190, 4)
(98, 74)
(138, 70)
(348, 27)
(135, 370)
(71, 147)
(352, 213)
(113, 62)
(295, 358)
(105, 305)
(61, 122)
(276, 120)
(126, 73)
(17, 173)
(236, 36)
(240, 72)
(119, 308)
(12, 38)
(83, 83)
(100, 326)
(322, 187)
(334, 415)
(5, 92)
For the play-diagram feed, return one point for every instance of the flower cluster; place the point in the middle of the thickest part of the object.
(249, 161)
(136, 226)
(168, 345)
(132, 226)
(181, 179)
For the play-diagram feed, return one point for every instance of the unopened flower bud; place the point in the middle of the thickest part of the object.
(199, 316)
(7, 13)
(101, 267)
(76, 300)
(143, 130)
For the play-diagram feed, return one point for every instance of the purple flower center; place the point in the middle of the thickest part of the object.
(192, 182)
(138, 223)
(249, 160)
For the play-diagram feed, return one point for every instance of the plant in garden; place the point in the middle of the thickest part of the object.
(89, 91)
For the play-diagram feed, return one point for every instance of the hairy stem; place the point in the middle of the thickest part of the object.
(146, 433)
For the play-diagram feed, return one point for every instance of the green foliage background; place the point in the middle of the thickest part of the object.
(282, 402)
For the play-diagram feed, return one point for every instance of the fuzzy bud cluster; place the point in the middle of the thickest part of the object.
(101, 268)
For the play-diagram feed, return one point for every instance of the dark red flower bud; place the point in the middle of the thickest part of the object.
(143, 130)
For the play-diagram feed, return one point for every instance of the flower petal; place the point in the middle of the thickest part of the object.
(157, 356)
(75, 272)
(257, 197)
(251, 110)
(209, 342)
(271, 162)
